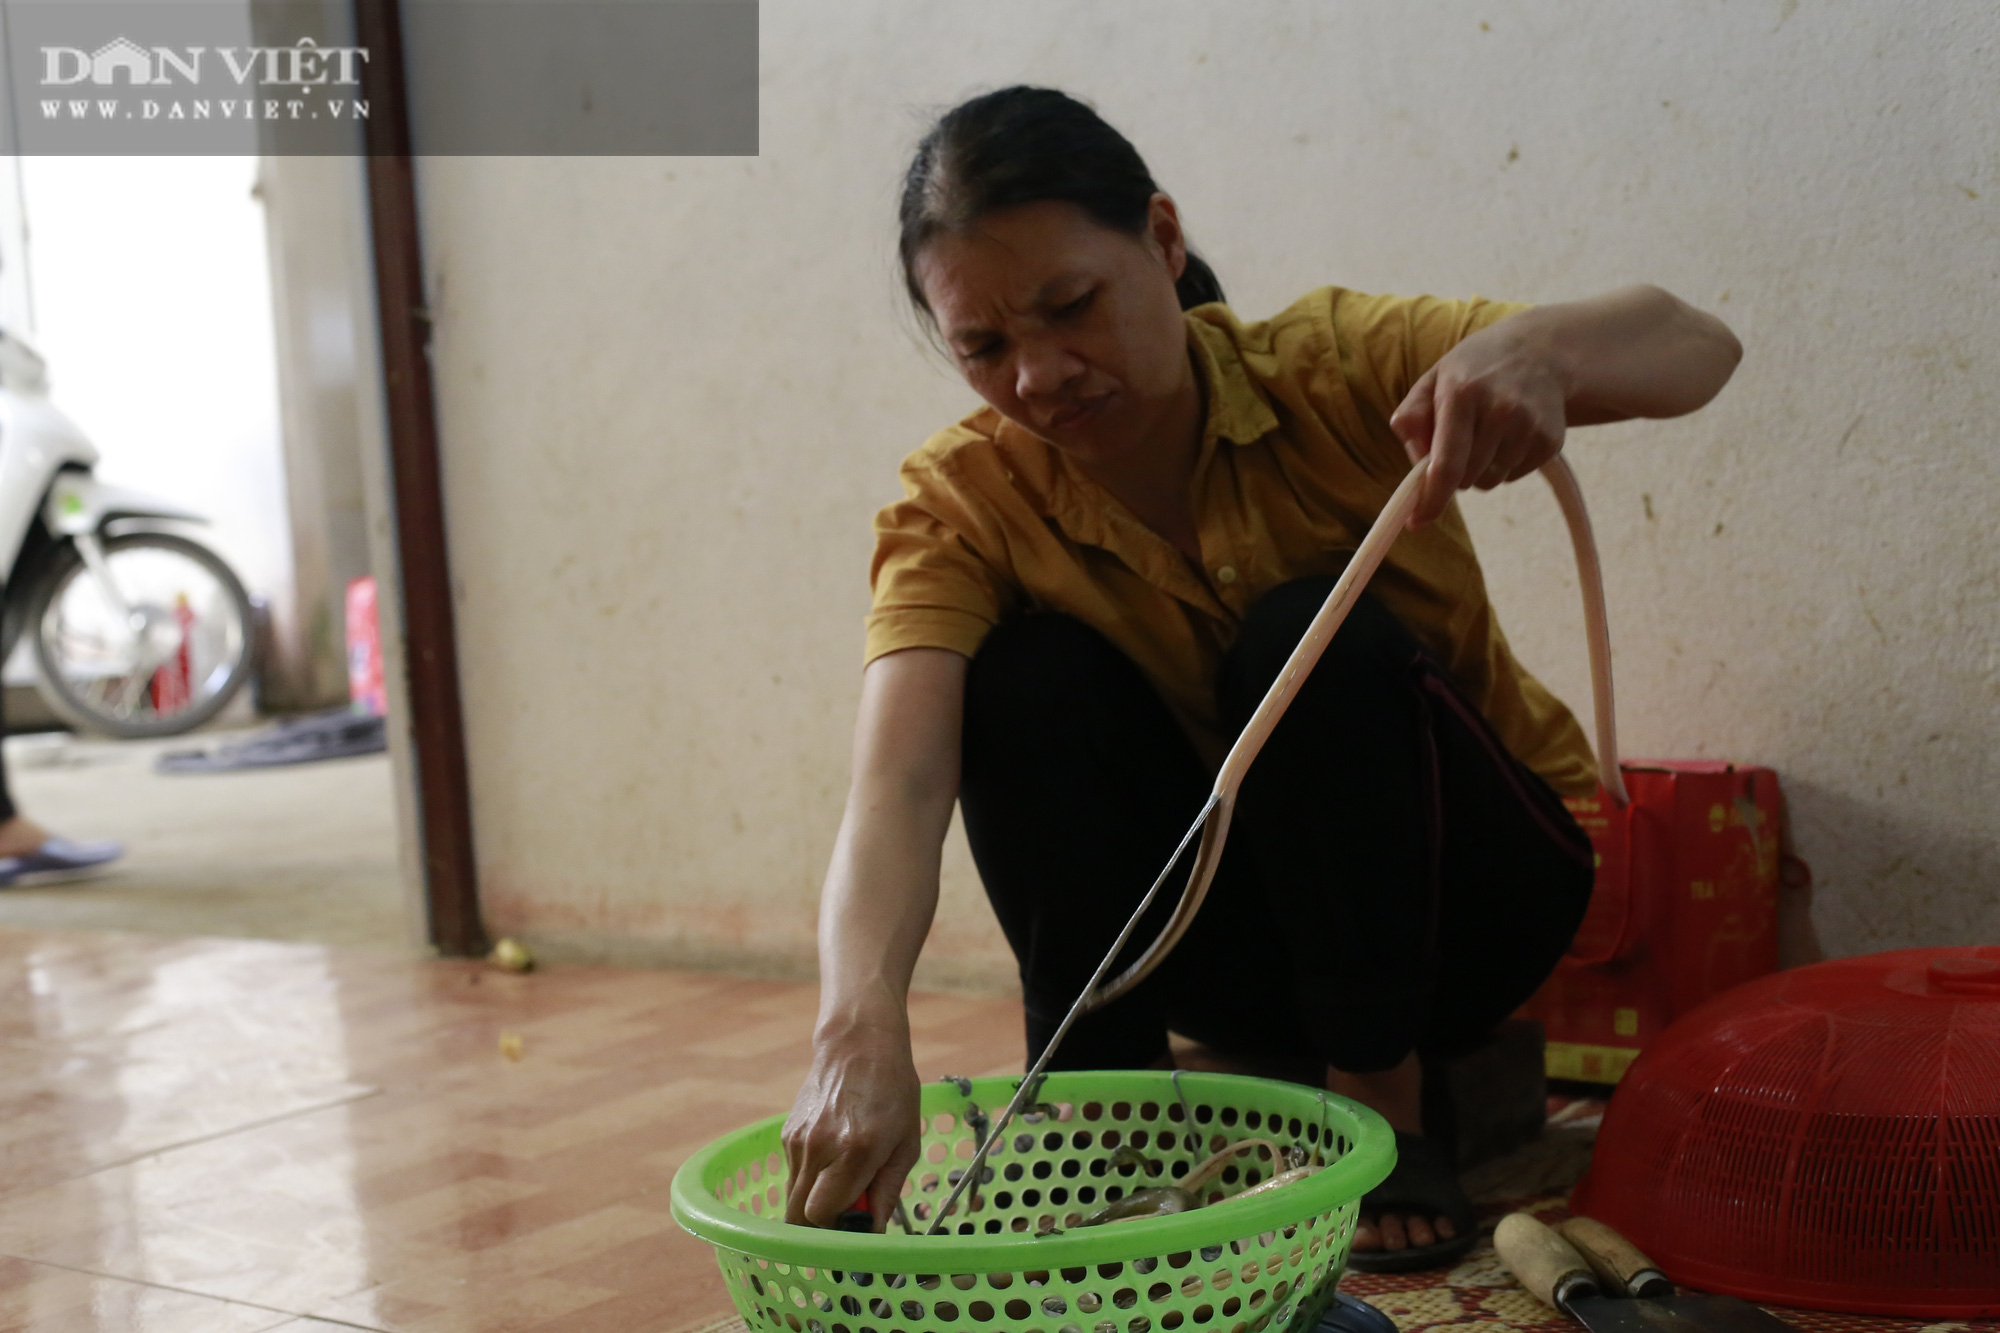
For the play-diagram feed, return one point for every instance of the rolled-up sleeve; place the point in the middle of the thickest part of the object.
(1386, 343)
(931, 588)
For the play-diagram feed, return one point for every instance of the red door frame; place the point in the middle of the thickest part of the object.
(444, 805)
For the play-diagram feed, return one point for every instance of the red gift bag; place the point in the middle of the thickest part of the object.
(1685, 906)
(1689, 858)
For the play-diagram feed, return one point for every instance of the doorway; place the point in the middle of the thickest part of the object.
(170, 323)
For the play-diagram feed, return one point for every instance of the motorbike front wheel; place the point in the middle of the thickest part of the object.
(168, 661)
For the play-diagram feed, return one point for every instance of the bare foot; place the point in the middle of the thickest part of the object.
(1392, 1232)
(1397, 1096)
(20, 836)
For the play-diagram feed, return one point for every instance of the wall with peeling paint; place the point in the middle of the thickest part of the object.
(673, 392)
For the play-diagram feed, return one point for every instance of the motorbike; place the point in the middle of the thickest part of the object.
(137, 629)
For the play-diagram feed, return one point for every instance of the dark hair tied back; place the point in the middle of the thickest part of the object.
(1024, 145)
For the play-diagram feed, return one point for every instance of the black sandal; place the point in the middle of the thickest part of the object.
(1422, 1185)
(1351, 1314)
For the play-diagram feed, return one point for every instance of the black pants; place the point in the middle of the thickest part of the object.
(7, 810)
(1394, 879)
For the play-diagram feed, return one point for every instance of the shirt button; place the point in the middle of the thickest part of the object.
(1226, 574)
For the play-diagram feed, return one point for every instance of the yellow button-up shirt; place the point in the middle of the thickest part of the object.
(1296, 460)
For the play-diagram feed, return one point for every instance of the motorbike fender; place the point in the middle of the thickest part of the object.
(80, 503)
(36, 443)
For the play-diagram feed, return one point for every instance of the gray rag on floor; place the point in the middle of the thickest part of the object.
(338, 733)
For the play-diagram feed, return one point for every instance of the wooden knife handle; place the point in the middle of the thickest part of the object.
(1619, 1265)
(1546, 1264)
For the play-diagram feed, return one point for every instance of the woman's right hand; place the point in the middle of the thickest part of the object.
(855, 1126)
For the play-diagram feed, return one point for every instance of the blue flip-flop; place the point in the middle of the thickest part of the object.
(58, 859)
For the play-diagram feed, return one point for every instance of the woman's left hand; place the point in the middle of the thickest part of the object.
(1496, 406)
(1493, 409)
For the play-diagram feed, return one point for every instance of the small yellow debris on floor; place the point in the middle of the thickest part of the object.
(510, 955)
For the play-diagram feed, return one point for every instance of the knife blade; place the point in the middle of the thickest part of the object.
(1560, 1276)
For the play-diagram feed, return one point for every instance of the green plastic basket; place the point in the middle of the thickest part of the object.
(1271, 1261)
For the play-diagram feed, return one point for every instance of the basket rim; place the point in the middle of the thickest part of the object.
(1365, 1166)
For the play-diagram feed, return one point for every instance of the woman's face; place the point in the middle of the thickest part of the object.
(1067, 327)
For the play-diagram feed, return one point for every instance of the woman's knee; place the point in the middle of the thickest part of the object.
(1047, 691)
(1045, 668)
(1370, 646)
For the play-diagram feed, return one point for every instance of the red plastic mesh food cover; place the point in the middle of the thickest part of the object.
(1827, 1138)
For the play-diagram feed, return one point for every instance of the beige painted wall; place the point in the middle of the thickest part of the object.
(673, 392)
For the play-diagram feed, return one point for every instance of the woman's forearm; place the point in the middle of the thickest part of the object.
(882, 885)
(1495, 407)
(855, 1124)
(876, 908)
(1635, 352)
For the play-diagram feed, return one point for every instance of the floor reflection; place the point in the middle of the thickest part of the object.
(223, 1135)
